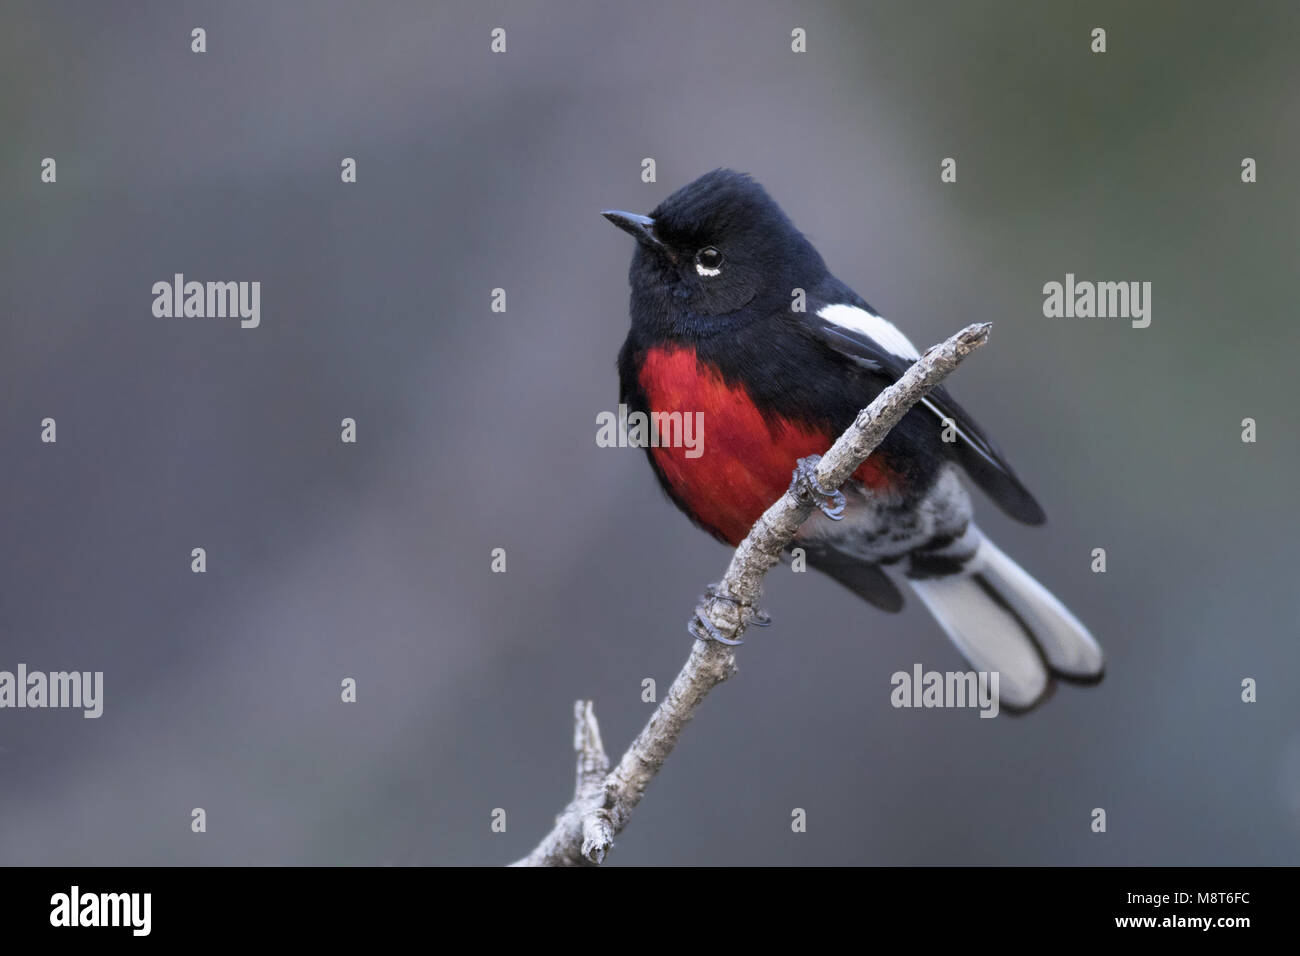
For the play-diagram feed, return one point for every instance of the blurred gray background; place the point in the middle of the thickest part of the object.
(477, 430)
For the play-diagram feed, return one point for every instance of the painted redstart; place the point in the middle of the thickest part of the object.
(718, 277)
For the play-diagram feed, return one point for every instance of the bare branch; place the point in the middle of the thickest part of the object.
(603, 802)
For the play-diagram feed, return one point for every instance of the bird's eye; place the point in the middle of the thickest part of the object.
(708, 261)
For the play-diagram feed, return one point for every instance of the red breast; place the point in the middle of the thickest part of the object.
(745, 457)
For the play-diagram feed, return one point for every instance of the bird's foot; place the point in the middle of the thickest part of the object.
(702, 629)
(804, 483)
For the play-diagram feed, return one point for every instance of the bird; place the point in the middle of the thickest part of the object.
(736, 318)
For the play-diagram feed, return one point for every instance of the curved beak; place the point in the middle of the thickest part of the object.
(640, 228)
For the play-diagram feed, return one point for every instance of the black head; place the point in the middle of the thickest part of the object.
(718, 250)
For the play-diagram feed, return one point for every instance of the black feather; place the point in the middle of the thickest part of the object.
(864, 579)
(974, 451)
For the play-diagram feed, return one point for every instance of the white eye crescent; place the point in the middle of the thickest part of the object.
(708, 261)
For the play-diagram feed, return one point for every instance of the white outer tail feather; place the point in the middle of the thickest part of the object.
(991, 638)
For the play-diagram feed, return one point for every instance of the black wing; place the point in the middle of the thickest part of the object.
(973, 450)
(861, 577)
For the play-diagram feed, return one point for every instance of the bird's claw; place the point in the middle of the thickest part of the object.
(804, 482)
(748, 615)
(752, 615)
(711, 633)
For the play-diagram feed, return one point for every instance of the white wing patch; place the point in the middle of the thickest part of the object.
(875, 327)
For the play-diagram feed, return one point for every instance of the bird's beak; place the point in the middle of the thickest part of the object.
(640, 228)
